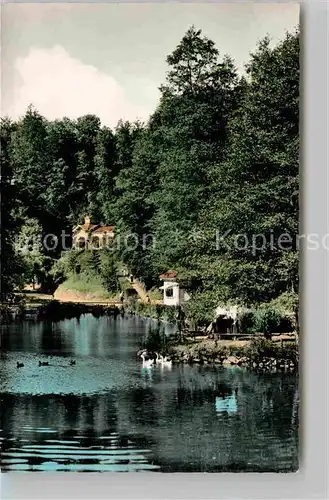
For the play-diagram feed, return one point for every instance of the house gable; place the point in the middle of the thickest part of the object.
(88, 233)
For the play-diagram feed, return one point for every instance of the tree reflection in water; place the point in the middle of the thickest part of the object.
(109, 413)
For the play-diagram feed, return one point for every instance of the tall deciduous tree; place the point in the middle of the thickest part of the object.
(106, 170)
(9, 266)
(256, 201)
(220, 153)
(136, 185)
(191, 128)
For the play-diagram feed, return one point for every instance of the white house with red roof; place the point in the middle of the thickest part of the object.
(91, 236)
(173, 292)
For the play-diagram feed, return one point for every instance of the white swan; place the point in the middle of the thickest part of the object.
(159, 358)
(147, 361)
(166, 361)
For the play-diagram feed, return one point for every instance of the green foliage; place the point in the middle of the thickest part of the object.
(155, 294)
(200, 309)
(170, 314)
(87, 284)
(247, 322)
(268, 320)
(258, 183)
(89, 262)
(135, 185)
(219, 154)
(287, 302)
(108, 271)
(260, 348)
(96, 269)
(65, 266)
(29, 248)
(159, 311)
(10, 270)
(189, 126)
(155, 340)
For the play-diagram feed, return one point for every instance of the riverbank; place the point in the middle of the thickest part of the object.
(36, 306)
(157, 311)
(256, 353)
(31, 303)
(63, 294)
(280, 353)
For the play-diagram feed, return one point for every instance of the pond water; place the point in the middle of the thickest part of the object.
(108, 413)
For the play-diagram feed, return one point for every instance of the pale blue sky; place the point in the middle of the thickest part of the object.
(109, 59)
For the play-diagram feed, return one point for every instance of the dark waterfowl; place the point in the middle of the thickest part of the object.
(43, 363)
(72, 362)
(19, 365)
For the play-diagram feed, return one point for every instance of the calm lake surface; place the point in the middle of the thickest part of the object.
(107, 413)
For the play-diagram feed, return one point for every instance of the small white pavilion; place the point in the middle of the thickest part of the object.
(173, 293)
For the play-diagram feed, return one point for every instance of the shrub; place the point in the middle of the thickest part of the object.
(200, 309)
(289, 350)
(155, 294)
(267, 321)
(108, 271)
(286, 302)
(287, 324)
(89, 262)
(169, 314)
(65, 266)
(260, 348)
(158, 311)
(247, 322)
(155, 340)
(133, 304)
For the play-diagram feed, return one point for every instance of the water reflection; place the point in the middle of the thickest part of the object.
(226, 404)
(67, 433)
(108, 413)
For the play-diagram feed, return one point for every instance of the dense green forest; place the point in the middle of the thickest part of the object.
(218, 157)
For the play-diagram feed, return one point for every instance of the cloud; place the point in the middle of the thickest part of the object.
(59, 85)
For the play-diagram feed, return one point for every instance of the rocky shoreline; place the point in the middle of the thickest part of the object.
(258, 353)
(270, 364)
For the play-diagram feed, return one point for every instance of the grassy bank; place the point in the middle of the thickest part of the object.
(92, 273)
(88, 287)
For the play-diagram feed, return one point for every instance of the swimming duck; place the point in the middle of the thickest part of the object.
(72, 362)
(19, 365)
(43, 363)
